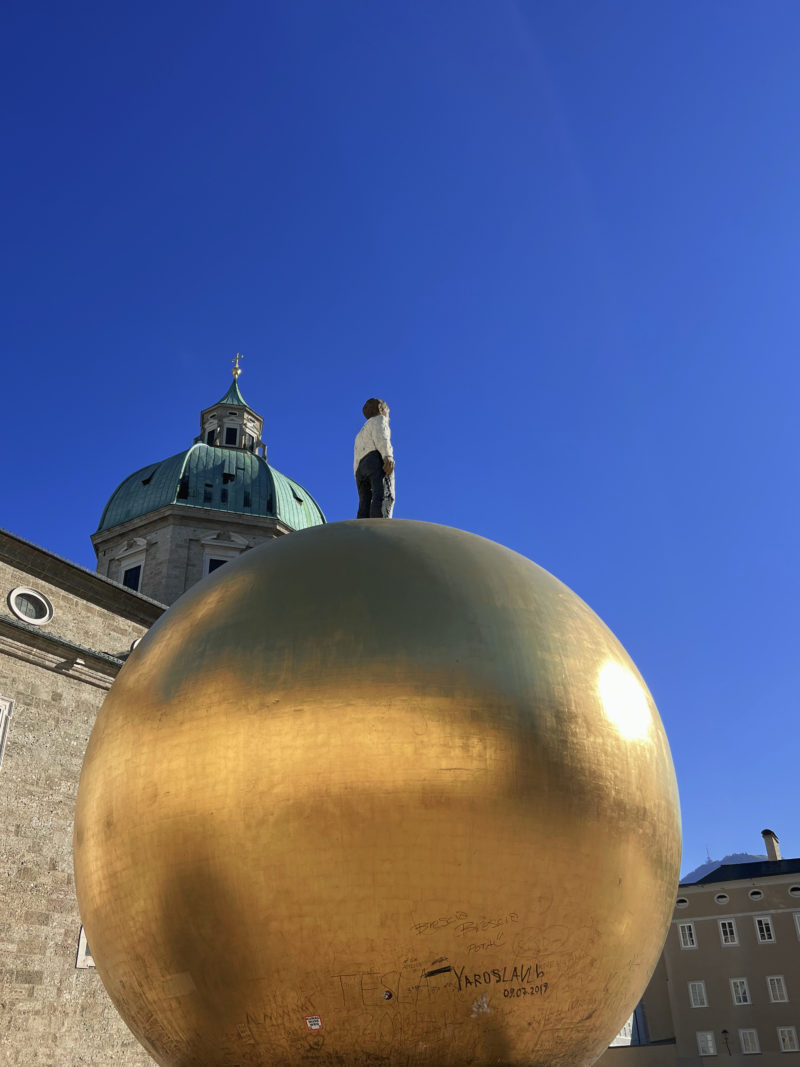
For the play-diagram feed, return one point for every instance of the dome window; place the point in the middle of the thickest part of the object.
(132, 577)
(210, 437)
(231, 435)
(148, 472)
(30, 606)
(221, 549)
(131, 564)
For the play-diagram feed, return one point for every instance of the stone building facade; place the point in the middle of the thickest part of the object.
(65, 632)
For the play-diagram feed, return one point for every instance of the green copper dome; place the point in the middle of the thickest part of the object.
(220, 479)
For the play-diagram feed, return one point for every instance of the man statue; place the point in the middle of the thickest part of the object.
(373, 463)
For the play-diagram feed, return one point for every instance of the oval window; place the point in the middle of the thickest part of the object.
(681, 902)
(722, 898)
(30, 606)
(794, 891)
(755, 894)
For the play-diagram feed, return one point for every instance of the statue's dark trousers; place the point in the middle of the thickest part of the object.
(375, 498)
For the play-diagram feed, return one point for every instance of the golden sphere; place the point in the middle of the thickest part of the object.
(381, 792)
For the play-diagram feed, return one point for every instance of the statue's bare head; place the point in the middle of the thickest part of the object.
(374, 407)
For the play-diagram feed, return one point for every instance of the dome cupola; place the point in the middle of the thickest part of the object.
(170, 523)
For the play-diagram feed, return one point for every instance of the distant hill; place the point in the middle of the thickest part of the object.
(711, 865)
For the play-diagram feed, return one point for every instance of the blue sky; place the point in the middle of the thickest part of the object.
(561, 239)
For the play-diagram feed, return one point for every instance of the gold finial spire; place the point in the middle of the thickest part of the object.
(237, 370)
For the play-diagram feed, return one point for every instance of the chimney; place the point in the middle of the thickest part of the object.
(771, 844)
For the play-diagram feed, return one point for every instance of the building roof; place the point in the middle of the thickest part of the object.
(735, 872)
(233, 396)
(220, 479)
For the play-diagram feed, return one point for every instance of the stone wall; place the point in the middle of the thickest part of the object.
(51, 1012)
(74, 619)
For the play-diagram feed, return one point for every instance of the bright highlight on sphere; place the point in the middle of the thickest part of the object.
(377, 791)
(624, 701)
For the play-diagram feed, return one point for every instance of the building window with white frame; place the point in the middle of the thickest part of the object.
(6, 711)
(748, 1039)
(765, 931)
(727, 932)
(740, 991)
(84, 958)
(787, 1039)
(131, 564)
(706, 1045)
(686, 935)
(697, 994)
(220, 549)
(214, 559)
(777, 989)
(31, 606)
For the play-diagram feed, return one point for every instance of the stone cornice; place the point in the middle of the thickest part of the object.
(46, 650)
(187, 515)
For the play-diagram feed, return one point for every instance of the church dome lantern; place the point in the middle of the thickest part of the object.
(231, 422)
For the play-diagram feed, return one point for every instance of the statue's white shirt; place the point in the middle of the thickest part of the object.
(373, 435)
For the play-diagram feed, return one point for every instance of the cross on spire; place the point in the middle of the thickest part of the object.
(237, 370)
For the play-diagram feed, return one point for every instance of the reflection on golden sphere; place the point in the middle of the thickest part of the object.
(380, 792)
